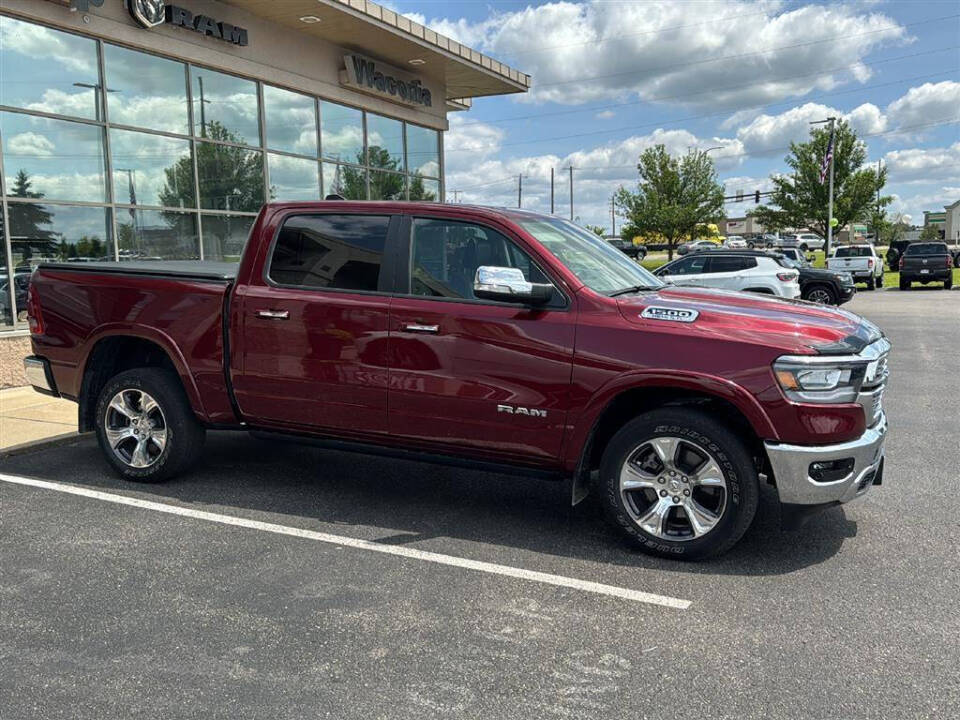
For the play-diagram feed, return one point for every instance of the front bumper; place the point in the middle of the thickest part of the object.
(40, 375)
(791, 468)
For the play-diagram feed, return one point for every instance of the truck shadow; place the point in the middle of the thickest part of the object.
(411, 503)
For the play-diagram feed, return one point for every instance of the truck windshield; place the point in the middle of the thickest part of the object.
(597, 264)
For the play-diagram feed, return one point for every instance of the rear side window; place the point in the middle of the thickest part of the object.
(693, 265)
(927, 249)
(730, 264)
(342, 252)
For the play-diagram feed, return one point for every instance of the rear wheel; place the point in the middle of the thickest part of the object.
(948, 283)
(679, 484)
(804, 247)
(880, 280)
(904, 284)
(871, 283)
(146, 427)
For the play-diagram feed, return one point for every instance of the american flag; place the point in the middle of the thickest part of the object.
(825, 165)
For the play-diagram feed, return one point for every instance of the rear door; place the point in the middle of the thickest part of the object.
(728, 272)
(488, 377)
(314, 326)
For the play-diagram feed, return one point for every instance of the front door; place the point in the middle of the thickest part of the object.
(314, 328)
(490, 377)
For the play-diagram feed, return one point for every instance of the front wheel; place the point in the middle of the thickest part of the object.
(146, 427)
(821, 295)
(678, 484)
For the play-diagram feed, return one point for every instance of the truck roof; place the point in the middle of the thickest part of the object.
(411, 207)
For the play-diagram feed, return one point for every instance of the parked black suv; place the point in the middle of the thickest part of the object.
(819, 285)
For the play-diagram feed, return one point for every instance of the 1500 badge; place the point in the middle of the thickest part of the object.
(672, 314)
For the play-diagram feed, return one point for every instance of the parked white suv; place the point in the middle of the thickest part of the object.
(752, 271)
(808, 241)
(861, 261)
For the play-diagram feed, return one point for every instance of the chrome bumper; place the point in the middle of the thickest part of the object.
(40, 375)
(791, 468)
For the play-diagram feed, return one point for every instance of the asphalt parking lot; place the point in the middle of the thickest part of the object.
(112, 610)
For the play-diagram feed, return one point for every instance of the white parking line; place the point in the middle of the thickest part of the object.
(401, 551)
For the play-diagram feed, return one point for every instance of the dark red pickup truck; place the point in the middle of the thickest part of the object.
(496, 338)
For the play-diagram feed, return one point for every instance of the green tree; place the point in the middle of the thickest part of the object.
(930, 233)
(418, 191)
(799, 198)
(27, 219)
(597, 229)
(676, 198)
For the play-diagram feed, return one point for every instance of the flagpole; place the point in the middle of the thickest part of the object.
(833, 155)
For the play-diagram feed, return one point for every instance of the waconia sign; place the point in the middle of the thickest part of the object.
(368, 76)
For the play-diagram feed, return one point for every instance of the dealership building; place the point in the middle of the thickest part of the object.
(143, 129)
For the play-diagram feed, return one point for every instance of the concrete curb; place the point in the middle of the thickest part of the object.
(45, 444)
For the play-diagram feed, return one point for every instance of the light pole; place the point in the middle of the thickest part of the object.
(97, 89)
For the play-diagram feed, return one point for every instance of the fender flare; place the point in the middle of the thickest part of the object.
(583, 428)
(157, 337)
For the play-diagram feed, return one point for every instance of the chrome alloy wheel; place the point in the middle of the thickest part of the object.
(135, 428)
(673, 489)
(821, 296)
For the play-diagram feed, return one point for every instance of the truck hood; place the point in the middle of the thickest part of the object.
(794, 326)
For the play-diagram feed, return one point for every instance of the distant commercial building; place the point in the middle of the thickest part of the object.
(951, 223)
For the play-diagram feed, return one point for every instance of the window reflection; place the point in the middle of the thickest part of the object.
(384, 142)
(157, 235)
(47, 70)
(291, 121)
(52, 159)
(145, 90)
(341, 133)
(224, 236)
(423, 151)
(225, 107)
(386, 185)
(42, 232)
(293, 178)
(231, 178)
(151, 169)
(344, 180)
(423, 189)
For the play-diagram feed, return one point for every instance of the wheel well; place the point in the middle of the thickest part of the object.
(631, 403)
(818, 284)
(110, 357)
(761, 290)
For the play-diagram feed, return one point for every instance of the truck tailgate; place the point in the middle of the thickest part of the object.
(177, 306)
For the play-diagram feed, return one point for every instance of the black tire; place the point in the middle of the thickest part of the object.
(804, 247)
(904, 284)
(184, 435)
(822, 294)
(740, 475)
(880, 280)
(948, 283)
(871, 283)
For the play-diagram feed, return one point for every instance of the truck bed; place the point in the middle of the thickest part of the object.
(185, 269)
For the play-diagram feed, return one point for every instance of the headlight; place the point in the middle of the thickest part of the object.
(819, 380)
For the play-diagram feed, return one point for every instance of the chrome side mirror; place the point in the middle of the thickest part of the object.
(508, 285)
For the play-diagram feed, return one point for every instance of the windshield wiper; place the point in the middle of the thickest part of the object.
(633, 289)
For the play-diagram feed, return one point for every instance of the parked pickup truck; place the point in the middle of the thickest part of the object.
(926, 262)
(861, 261)
(493, 338)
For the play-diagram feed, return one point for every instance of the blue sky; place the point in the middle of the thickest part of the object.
(611, 77)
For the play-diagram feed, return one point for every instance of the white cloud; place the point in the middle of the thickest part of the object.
(924, 165)
(928, 103)
(598, 50)
(605, 115)
(30, 144)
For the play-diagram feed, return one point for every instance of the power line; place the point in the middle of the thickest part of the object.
(630, 128)
(711, 91)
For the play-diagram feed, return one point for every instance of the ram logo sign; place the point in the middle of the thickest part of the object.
(517, 410)
(149, 13)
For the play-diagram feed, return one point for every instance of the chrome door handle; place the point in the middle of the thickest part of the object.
(422, 328)
(273, 314)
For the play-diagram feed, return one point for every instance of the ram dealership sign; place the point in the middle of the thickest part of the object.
(151, 13)
(375, 78)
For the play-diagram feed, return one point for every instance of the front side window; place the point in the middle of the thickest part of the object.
(445, 255)
(342, 252)
(694, 265)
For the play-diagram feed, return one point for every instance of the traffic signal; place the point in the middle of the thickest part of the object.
(756, 197)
